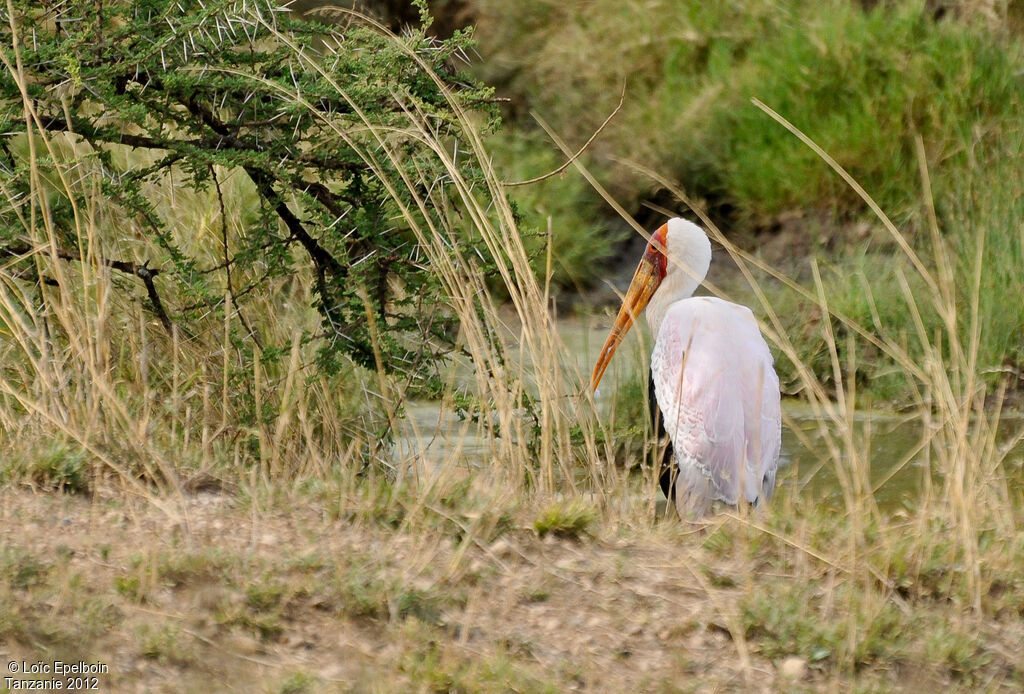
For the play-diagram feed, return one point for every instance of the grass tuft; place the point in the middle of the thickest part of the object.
(571, 519)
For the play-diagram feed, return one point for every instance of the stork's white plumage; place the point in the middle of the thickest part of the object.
(712, 371)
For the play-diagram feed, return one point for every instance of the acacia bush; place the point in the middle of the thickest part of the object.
(189, 94)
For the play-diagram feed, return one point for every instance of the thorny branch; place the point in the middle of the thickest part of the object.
(143, 272)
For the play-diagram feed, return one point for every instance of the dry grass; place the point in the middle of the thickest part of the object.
(866, 597)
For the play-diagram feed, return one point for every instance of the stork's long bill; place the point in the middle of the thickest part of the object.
(646, 279)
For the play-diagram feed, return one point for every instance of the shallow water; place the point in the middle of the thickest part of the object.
(812, 469)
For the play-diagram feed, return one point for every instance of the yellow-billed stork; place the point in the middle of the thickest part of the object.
(712, 373)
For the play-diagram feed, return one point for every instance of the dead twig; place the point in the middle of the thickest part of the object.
(570, 160)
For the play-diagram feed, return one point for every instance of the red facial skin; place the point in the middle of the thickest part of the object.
(655, 252)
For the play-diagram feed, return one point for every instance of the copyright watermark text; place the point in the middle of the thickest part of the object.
(37, 675)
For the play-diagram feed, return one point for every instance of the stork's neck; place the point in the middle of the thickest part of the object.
(686, 269)
(677, 285)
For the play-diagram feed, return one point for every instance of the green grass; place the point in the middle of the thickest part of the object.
(362, 591)
(166, 645)
(57, 467)
(866, 289)
(691, 69)
(438, 669)
(862, 85)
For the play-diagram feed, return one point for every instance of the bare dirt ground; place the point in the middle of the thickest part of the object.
(231, 595)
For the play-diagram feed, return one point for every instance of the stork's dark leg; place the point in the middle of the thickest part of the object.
(667, 474)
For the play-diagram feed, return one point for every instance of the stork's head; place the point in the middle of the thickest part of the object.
(673, 265)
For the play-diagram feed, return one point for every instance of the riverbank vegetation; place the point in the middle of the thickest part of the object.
(196, 493)
(922, 108)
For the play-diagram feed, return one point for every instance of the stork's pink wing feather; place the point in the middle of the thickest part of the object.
(719, 396)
